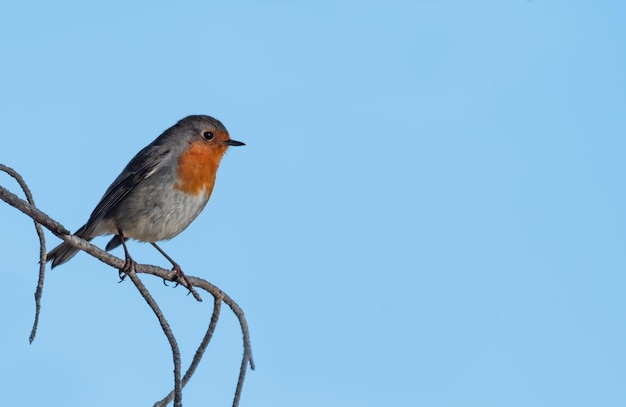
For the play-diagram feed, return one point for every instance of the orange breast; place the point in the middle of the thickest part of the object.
(196, 168)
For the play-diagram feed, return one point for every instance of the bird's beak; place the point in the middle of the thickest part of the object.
(235, 143)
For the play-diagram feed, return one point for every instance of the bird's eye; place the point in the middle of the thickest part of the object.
(207, 135)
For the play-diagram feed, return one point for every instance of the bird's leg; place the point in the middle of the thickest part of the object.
(129, 263)
(178, 275)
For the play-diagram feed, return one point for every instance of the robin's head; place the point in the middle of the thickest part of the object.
(207, 140)
(208, 131)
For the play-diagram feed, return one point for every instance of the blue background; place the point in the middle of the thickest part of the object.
(429, 209)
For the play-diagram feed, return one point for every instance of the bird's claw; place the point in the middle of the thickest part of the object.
(129, 265)
(178, 277)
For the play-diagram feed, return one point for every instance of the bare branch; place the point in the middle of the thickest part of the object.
(217, 305)
(247, 349)
(42, 250)
(178, 389)
(216, 292)
(42, 219)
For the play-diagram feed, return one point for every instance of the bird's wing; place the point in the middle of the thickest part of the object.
(143, 165)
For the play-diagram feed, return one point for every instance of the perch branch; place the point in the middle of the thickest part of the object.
(42, 219)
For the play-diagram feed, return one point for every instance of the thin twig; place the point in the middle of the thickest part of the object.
(217, 292)
(42, 249)
(178, 389)
(247, 349)
(217, 305)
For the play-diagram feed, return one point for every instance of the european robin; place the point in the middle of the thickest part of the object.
(161, 190)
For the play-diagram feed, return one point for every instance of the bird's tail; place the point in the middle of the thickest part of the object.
(65, 251)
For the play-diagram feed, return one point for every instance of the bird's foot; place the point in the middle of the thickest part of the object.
(178, 277)
(129, 265)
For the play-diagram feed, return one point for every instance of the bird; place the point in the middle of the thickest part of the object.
(160, 191)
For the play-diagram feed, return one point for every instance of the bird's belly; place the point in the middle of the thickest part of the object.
(150, 217)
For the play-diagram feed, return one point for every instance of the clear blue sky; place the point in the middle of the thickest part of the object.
(429, 210)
